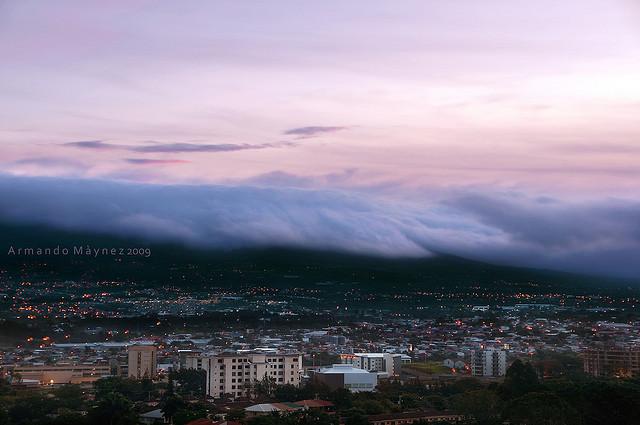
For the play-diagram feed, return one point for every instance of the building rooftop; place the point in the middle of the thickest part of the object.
(342, 368)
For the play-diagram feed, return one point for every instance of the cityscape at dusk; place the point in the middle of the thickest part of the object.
(329, 213)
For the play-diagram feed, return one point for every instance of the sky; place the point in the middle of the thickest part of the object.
(446, 126)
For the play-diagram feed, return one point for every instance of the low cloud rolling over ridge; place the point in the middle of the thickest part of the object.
(509, 228)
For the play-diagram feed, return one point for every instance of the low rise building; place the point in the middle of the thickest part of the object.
(280, 408)
(271, 408)
(153, 417)
(414, 417)
(61, 373)
(346, 376)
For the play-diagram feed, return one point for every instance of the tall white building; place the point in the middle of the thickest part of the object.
(236, 374)
(388, 363)
(488, 362)
(143, 362)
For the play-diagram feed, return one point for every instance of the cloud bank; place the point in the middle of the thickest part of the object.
(591, 237)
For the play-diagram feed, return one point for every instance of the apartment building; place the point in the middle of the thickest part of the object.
(488, 362)
(236, 373)
(612, 362)
(143, 361)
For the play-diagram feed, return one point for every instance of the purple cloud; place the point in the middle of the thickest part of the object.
(174, 147)
(312, 131)
(194, 147)
(93, 144)
(145, 161)
(599, 148)
(283, 179)
(45, 165)
(45, 161)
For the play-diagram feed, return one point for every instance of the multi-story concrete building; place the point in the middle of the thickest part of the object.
(143, 361)
(237, 373)
(612, 362)
(185, 358)
(388, 363)
(488, 362)
(193, 361)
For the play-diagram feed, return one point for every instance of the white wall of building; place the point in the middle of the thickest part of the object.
(142, 362)
(237, 374)
(354, 379)
(488, 362)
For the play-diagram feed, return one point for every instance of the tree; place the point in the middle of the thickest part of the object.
(356, 418)
(192, 382)
(5, 387)
(408, 401)
(145, 388)
(271, 419)
(113, 409)
(236, 415)
(265, 386)
(603, 401)
(190, 413)
(171, 405)
(436, 401)
(69, 396)
(68, 417)
(170, 387)
(341, 398)
(369, 406)
(520, 379)
(463, 385)
(132, 389)
(482, 405)
(540, 409)
(4, 416)
(290, 392)
(30, 409)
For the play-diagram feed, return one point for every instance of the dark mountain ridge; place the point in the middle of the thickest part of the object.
(269, 266)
